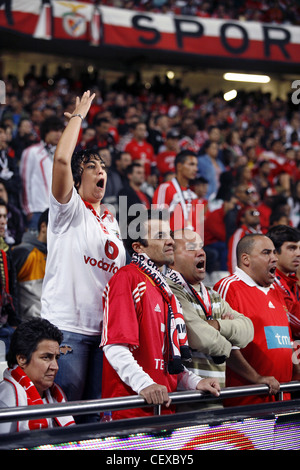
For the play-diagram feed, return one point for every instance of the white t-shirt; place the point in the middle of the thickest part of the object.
(82, 256)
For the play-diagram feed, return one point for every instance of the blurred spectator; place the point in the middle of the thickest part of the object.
(36, 171)
(140, 149)
(249, 223)
(294, 203)
(166, 157)
(87, 136)
(176, 194)
(9, 171)
(24, 137)
(158, 132)
(103, 138)
(210, 167)
(29, 258)
(15, 221)
(114, 182)
(9, 306)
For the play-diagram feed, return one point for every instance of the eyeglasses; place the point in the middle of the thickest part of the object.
(250, 191)
(190, 246)
(255, 213)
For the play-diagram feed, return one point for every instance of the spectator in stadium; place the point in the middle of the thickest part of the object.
(88, 135)
(249, 222)
(165, 158)
(140, 149)
(15, 221)
(121, 161)
(132, 191)
(213, 327)
(210, 167)
(268, 358)
(9, 171)
(294, 203)
(216, 233)
(29, 379)
(176, 194)
(103, 138)
(136, 359)
(24, 137)
(29, 258)
(84, 251)
(36, 171)
(114, 182)
(287, 245)
(9, 308)
(158, 131)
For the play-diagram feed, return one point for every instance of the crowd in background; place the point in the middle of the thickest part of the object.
(287, 12)
(254, 139)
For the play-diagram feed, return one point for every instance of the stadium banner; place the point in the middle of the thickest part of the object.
(140, 31)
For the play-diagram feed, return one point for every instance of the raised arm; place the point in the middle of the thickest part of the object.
(62, 178)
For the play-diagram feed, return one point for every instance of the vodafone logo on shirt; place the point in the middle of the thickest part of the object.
(112, 252)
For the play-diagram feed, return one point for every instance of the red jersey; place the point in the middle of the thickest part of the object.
(179, 201)
(165, 162)
(270, 352)
(142, 151)
(135, 314)
(288, 286)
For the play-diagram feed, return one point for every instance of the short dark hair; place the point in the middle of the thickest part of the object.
(43, 218)
(27, 336)
(140, 233)
(52, 123)
(132, 166)
(183, 155)
(279, 234)
(82, 156)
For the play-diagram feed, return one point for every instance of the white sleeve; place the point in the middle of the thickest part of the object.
(123, 362)
(187, 380)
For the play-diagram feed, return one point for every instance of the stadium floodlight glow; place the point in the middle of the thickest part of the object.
(230, 95)
(246, 77)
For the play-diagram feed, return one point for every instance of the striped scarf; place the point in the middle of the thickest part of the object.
(204, 300)
(33, 398)
(176, 328)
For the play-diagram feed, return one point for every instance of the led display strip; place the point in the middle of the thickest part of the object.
(247, 434)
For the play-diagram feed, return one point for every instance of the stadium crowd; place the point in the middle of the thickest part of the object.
(287, 12)
(244, 173)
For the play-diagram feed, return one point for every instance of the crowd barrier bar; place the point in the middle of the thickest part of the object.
(91, 406)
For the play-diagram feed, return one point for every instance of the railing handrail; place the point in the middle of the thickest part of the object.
(134, 401)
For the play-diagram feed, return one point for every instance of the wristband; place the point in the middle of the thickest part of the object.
(80, 115)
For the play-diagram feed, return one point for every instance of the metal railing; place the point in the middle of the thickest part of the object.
(92, 406)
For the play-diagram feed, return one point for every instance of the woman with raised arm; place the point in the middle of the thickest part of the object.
(84, 251)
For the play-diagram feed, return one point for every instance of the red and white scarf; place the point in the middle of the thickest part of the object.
(176, 328)
(18, 378)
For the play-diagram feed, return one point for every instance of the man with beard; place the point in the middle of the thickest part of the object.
(251, 291)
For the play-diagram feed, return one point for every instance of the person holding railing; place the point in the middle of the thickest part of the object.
(213, 327)
(144, 334)
(268, 359)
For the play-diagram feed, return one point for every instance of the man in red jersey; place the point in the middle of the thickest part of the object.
(176, 195)
(286, 240)
(140, 149)
(268, 359)
(144, 335)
